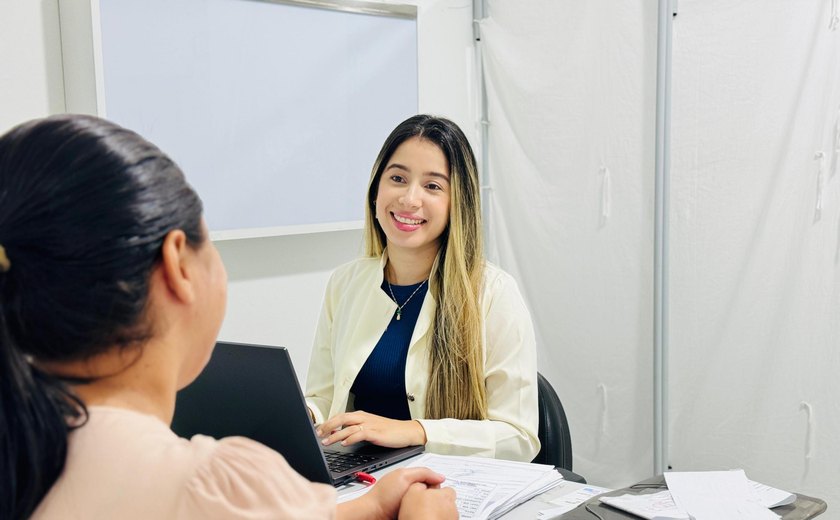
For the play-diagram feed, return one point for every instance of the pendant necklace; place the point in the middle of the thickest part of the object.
(400, 307)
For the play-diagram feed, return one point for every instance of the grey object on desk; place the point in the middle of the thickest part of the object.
(554, 434)
(803, 508)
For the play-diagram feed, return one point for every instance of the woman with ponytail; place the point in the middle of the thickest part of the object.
(111, 296)
(422, 341)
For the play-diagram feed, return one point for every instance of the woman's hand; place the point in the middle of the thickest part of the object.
(422, 501)
(352, 427)
(409, 492)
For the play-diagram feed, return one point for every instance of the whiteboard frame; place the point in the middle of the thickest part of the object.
(355, 6)
(304, 229)
(84, 84)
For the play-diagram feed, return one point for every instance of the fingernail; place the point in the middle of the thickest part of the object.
(318, 432)
(324, 442)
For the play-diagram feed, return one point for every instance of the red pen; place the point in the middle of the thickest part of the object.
(361, 476)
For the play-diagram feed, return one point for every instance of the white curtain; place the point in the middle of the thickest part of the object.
(754, 227)
(571, 108)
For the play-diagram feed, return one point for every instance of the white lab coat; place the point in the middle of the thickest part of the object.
(354, 316)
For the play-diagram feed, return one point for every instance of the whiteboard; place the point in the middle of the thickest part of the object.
(274, 110)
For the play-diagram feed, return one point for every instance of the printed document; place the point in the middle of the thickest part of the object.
(706, 495)
(488, 488)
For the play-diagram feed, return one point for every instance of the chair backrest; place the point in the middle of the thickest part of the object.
(554, 432)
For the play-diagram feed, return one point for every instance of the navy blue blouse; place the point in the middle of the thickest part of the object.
(380, 385)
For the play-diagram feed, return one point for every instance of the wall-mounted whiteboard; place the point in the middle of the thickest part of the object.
(274, 110)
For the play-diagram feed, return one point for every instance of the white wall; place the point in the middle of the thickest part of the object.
(30, 61)
(275, 284)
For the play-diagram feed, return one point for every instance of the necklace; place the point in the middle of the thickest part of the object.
(400, 307)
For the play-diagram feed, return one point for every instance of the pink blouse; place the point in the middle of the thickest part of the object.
(124, 464)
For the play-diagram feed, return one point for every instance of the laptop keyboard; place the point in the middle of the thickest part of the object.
(339, 462)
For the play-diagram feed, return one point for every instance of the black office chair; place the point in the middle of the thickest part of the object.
(554, 432)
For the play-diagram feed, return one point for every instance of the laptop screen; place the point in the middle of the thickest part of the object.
(253, 391)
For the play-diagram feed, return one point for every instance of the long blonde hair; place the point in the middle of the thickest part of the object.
(456, 379)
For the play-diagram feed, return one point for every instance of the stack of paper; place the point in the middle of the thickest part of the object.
(655, 506)
(489, 488)
(569, 501)
(705, 495)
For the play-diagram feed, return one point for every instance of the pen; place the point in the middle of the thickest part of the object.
(361, 476)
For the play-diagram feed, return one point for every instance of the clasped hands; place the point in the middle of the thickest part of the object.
(352, 427)
(409, 493)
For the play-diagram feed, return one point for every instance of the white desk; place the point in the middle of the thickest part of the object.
(528, 510)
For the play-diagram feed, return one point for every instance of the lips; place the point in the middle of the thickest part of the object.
(404, 223)
(406, 220)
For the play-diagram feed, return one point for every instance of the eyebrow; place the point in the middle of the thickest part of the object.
(405, 169)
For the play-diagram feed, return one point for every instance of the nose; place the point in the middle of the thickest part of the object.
(411, 196)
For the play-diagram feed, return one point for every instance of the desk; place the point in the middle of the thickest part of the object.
(804, 508)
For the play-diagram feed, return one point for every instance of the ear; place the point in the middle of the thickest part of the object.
(176, 266)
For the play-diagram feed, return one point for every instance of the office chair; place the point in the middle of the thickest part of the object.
(554, 435)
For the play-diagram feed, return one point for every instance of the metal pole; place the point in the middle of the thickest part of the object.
(667, 11)
(479, 10)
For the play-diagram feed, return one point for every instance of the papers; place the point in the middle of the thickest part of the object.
(712, 495)
(705, 495)
(358, 489)
(656, 506)
(488, 488)
(570, 501)
(771, 497)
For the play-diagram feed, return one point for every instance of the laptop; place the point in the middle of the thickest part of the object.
(253, 391)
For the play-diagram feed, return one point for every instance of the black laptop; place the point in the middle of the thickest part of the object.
(253, 391)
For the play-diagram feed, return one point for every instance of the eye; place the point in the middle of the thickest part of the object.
(434, 186)
(397, 178)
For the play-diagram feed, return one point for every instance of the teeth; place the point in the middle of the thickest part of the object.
(410, 221)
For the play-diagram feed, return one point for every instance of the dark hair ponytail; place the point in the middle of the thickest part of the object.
(84, 208)
(34, 413)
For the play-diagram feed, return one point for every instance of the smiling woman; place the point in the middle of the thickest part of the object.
(422, 341)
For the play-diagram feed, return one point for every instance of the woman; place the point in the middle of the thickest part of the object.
(422, 341)
(111, 297)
